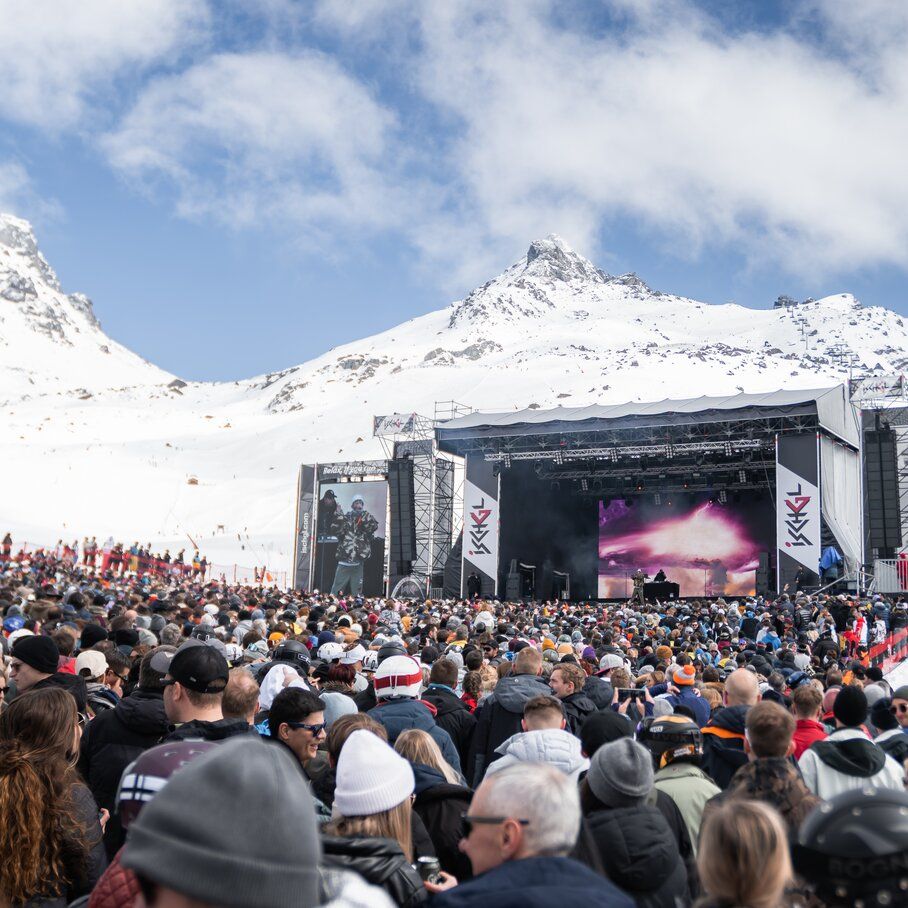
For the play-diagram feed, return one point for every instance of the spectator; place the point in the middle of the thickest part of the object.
(522, 824)
(567, 681)
(50, 837)
(371, 833)
(501, 713)
(115, 737)
(544, 739)
(397, 682)
(723, 735)
(847, 759)
(33, 666)
(297, 721)
(633, 842)
(769, 776)
(900, 706)
(891, 737)
(686, 694)
(743, 856)
(807, 706)
(452, 714)
(241, 696)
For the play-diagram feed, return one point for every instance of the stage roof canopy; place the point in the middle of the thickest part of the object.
(831, 407)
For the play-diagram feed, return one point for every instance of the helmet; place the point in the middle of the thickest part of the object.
(392, 648)
(202, 632)
(370, 661)
(292, 651)
(328, 652)
(234, 652)
(854, 848)
(671, 738)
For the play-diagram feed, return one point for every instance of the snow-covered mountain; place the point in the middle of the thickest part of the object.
(102, 442)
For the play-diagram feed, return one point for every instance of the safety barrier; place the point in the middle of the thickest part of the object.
(888, 654)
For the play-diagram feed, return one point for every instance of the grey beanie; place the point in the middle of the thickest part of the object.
(186, 837)
(621, 773)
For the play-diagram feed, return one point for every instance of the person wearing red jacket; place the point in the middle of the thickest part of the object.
(806, 705)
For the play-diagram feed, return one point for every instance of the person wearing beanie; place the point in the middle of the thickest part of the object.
(632, 840)
(33, 666)
(684, 693)
(397, 682)
(890, 735)
(900, 706)
(372, 833)
(184, 849)
(848, 759)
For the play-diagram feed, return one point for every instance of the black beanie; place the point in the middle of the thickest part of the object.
(881, 717)
(92, 634)
(603, 728)
(850, 706)
(40, 653)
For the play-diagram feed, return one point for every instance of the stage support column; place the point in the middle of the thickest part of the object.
(797, 508)
(480, 524)
(305, 529)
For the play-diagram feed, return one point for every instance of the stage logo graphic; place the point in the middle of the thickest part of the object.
(797, 520)
(797, 517)
(480, 530)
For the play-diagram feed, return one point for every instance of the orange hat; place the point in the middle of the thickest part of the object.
(547, 644)
(564, 649)
(684, 675)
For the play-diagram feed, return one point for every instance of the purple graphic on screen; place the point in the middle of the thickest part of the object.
(709, 549)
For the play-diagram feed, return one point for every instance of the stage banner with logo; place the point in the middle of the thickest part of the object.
(480, 525)
(797, 509)
(305, 529)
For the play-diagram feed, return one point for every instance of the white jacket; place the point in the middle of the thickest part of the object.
(554, 746)
(826, 781)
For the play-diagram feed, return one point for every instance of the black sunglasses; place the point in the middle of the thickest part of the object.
(470, 821)
(312, 729)
(901, 708)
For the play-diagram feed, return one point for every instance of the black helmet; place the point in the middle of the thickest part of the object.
(391, 649)
(671, 738)
(853, 849)
(292, 651)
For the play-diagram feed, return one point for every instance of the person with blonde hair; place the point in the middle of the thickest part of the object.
(743, 856)
(441, 798)
(371, 832)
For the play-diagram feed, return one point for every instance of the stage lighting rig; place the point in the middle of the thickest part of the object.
(723, 497)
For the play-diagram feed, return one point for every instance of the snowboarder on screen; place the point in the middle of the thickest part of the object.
(355, 531)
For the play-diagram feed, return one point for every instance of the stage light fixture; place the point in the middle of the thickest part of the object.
(584, 485)
(686, 484)
(559, 457)
(723, 497)
(640, 487)
(742, 476)
(657, 499)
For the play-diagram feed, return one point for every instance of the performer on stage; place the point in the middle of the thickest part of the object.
(660, 577)
(639, 579)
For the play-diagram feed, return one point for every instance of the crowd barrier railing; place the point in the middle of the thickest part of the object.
(888, 654)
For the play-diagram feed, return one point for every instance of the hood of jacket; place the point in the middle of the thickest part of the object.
(774, 780)
(555, 746)
(445, 701)
(399, 715)
(199, 730)
(852, 755)
(143, 712)
(580, 702)
(599, 691)
(426, 777)
(730, 718)
(512, 692)
(637, 847)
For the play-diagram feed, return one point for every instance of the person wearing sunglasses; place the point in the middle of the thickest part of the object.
(522, 824)
(297, 720)
(899, 706)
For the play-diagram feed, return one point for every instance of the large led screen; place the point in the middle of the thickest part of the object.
(350, 537)
(706, 547)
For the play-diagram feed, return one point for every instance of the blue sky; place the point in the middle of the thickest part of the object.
(240, 186)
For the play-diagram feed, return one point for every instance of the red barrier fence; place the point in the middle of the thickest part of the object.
(888, 654)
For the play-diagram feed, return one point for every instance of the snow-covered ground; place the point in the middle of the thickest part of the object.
(98, 441)
(899, 675)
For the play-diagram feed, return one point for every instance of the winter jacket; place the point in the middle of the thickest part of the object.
(366, 699)
(637, 852)
(110, 742)
(806, 732)
(454, 716)
(577, 707)
(75, 684)
(690, 698)
(100, 698)
(498, 717)
(199, 730)
(846, 760)
(895, 743)
(723, 744)
(675, 820)
(401, 715)
(380, 862)
(439, 804)
(354, 532)
(535, 883)
(555, 746)
(690, 788)
(775, 781)
(117, 888)
(599, 690)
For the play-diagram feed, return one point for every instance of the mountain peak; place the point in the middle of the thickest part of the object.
(18, 236)
(553, 258)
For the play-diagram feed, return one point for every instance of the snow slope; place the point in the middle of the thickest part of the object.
(103, 442)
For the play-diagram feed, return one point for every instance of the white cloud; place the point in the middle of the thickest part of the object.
(18, 196)
(56, 56)
(263, 137)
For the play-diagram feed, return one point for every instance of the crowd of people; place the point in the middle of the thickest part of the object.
(175, 742)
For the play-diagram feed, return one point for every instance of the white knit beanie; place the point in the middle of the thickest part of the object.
(398, 676)
(371, 776)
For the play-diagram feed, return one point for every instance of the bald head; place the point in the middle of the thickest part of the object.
(742, 688)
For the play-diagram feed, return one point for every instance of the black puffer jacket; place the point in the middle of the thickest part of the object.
(600, 691)
(199, 730)
(454, 716)
(498, 717)
(577, 707)
(110, 742)
(378, 861)
(441, 805)
(638, 853)
(723, 744)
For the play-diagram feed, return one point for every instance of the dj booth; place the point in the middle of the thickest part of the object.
(664, 590)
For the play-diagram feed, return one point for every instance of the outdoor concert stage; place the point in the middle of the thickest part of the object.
(726, 495)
